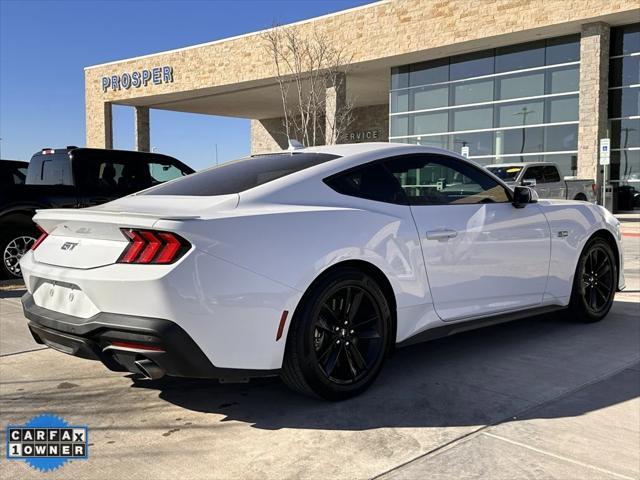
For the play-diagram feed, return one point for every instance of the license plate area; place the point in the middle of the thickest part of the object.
(64, 298)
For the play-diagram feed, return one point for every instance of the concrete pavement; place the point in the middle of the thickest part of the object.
(539, 398)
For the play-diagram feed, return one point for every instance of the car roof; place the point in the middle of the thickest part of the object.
(352, 149)
(520, 164)
(346, 149)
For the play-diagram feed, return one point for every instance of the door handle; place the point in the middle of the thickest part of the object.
(443, 234)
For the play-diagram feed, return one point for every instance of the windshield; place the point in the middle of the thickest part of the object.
(508, 174)
(241, 175)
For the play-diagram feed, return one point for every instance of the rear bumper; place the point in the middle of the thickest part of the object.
(169, 346)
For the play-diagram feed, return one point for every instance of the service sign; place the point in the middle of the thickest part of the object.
(138, 78)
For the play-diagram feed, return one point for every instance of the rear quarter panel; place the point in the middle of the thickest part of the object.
(293, 244)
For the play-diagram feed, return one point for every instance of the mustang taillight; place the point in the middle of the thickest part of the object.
(152, 247)
(40, 239)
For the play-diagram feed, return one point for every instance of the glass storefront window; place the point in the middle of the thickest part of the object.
(564, 79)
(520, 113)
(519, 57)
(479, 143)
(520, 140)
(627, 165)
(624, 102)
(430, 122)
(562, 50)
(522, 85)
(399, 101)
(625, 133)
(425, 73)
(562, 109)
(441, 93)
(624, 71)
(473, 92)
(399, 125)
(625, 40)
(472, 118)
(440, 141)
(429, 97)
(561, 137)
(471, 65)
(399, 77)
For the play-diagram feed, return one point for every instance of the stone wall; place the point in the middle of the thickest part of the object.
(268, 135)
(594, 88)
(393, 29)
(370, 124)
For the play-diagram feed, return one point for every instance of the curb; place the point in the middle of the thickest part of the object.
(13, 284)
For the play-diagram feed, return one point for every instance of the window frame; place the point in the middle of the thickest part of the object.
(446, 159)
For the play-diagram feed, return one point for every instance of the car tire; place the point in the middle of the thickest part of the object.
(339, 336)
(13, 245)
(595, 282)
(581, 197)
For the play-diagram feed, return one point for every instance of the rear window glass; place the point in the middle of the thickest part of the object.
(50, 170)
(240, 175)
(508, 174)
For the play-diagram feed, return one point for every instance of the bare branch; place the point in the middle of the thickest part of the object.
(307, 69)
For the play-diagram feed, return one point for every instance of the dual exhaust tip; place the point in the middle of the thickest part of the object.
(149, 369)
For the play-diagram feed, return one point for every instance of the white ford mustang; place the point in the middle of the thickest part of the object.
(311, 264)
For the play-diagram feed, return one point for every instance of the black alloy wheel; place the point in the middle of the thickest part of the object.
(348, 334)
(339, 336)
(595, 282)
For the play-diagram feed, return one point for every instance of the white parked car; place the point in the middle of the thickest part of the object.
(545, 179)
(311, 264)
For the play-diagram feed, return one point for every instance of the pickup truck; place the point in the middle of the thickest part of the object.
(72, 177)
(545, 179)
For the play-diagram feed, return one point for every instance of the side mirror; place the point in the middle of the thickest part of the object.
(529, 182)
(524, 195)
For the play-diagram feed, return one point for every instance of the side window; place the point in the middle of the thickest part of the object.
(19, 176)
(161, 173)
(535, 173)
(372, 182)
(113, 176)
(438, 180)
(133, 176)
(551, 174)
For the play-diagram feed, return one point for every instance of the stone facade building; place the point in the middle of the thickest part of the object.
(511, 80)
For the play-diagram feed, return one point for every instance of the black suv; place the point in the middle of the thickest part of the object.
(72, 178)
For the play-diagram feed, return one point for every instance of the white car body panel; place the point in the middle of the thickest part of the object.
(485, 258)
(256, 253)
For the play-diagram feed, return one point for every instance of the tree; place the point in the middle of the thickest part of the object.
(311, 75)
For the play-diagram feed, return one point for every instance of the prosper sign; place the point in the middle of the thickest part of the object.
(138, 78)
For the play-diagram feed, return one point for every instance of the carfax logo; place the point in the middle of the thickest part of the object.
(47, 442)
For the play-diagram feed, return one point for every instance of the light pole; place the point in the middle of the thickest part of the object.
(524, 112)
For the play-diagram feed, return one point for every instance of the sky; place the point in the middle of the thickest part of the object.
(45, 45)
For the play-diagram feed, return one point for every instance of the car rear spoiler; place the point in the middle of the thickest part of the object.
(48, 219)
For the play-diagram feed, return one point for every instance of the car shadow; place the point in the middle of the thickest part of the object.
(476, 378)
